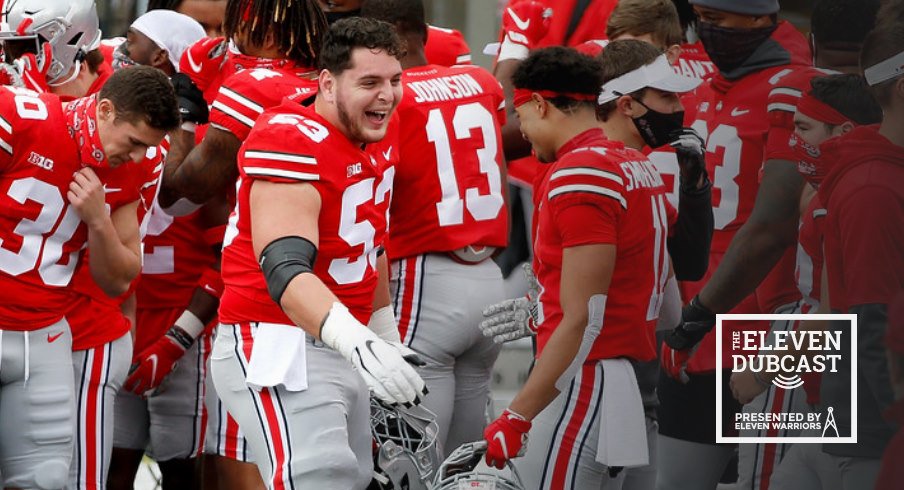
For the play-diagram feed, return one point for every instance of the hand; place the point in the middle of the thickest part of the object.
(674, 362)
(26, 72)
(192, 106)
(506, 438)
(202, 60)
(746, 385)
(385, 366)
(691, 153)
(152, 365)
(514, 318)
(526, 23)
(696, 321)
(86, 194)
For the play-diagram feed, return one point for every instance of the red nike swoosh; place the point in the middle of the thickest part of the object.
(52, 338)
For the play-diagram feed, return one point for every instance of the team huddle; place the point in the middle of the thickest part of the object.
(273, 242)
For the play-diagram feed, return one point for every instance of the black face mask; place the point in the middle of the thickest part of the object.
(729, 48)
(656, 127)
(334, 16)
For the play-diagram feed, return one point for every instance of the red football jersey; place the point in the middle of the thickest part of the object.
(599, 192)
(694, 62)
(41, 235)
(746, 122)
(97, 318)
(245, 95)
(446, 47)
(448, 191)
(290, 144)
(570, 28)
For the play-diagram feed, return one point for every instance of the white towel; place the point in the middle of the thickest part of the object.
(623, 429)
(278, 357)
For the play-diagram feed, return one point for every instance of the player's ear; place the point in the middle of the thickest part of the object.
(542, 105)
(627, 106)
(106, 111)
(327, 84)
(845, 127)
(160, 58)
(672, 53)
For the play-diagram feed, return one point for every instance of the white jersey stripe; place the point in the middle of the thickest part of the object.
(242, 100)
(281, 157)
(593, 189)
(234, 113)
(5, 125)
(275, 172)
(790, 92)
(592, 172)
(778, 106)
(6, 146)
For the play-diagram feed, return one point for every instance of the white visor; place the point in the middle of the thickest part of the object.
(659, 75)
(886, 70)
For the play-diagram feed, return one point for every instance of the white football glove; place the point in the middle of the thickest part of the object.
(383, 365)
(513, 319)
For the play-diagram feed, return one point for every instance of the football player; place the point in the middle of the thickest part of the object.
(293, 359)
(834, 106)
(864, 203)
(62, 213)
(445, 224)
(208, 13)
(602, 266)
(267, 63)
(168, 424)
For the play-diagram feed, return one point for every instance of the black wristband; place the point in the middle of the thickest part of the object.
(180, 336)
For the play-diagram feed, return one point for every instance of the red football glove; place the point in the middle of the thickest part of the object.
(674, 362)
(155, 363)
(526, 22)
(203, 59)
(26, 72)
(506, 438)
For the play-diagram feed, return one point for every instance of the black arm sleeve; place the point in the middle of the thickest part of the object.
(689, 244)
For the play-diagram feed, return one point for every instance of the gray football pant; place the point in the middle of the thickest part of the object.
(99, 375)
(439, 303)
(312, 439)
(37, 408)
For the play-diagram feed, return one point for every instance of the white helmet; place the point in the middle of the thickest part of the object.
(463, 469)
(70, 26)
(406, 451)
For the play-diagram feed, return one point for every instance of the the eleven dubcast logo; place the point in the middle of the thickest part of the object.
(777, 355)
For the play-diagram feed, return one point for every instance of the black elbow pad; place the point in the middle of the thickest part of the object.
(283, 259)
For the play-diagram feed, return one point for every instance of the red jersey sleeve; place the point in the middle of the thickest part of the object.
(6, 133)
(446, 47)
(265, 155)
(588, 204)
(244, 96)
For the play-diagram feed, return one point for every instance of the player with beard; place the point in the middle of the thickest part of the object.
(293, 359)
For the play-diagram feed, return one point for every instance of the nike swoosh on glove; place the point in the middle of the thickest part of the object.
(506, 438)
(674, 362)
(384, 366)
(202, 60)
(26, 72)
(153, 364)
(526, 23)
